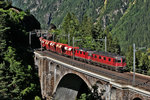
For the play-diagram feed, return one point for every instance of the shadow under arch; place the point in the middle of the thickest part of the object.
(137, 98)
(71, 86)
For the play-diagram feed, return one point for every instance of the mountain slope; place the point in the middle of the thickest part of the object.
(134, 26)
(57, 9)
(128, 20)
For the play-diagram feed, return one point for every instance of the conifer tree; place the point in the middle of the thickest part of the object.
(144, 62)
(70, 26)
(138, 55)
(15, 78)
(129, 58)
(112, 43)
(3, 29)
(97, 31)
(115, 46)
(66, 23)
(98, 36)
(86, 32)
(5, 79)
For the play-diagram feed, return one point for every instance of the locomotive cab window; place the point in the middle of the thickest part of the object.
(109, 59)
(95, 56)
(77, 51)
(119, 61)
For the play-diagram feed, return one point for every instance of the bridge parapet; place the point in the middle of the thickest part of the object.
(52, 72)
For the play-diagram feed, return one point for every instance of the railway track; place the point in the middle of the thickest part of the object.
(125, 78)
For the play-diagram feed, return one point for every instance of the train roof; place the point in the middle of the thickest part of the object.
(108, 54)
(85, 49)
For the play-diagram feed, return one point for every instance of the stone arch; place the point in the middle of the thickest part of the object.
(57, 66)
(50, 66)
(81, 76)
(137, 97)
(78, 79)
(50, 63)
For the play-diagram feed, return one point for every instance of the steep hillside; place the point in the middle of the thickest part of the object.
(128, 20)
(109, 11)
(134, 25)
(57, 9)
(112, 11)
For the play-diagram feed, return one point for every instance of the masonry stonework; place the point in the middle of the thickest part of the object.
(51, 73)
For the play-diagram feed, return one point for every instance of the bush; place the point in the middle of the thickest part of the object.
(148, 73)
(37, 98)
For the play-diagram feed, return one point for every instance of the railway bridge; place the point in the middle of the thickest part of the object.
(63, 78)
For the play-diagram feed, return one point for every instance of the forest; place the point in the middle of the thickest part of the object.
(128, 20)
(18, 76)
(92, 37)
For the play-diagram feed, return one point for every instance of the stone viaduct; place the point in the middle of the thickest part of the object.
(61, 81)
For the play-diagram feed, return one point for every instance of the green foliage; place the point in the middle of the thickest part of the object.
(97, 34)
(59, 9)
(144, 62)
(28, 90)
(85, 31)
(148, 73)
(17, 75)
(5, 4)
(3, 30)
(129, 58)
(138, 55)
(70, 26)
(141, 61)
(92, 95)
(83, 97)
(128, 20)
(37, 98)
(5, 78)
(116, 46)
(18, 78)
(10, 75)
(86, 34)
(112, 11)
(133, 27)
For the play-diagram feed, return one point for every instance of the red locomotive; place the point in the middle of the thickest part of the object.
(103, 59)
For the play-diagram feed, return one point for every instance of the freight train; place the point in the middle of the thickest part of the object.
(103, 59)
